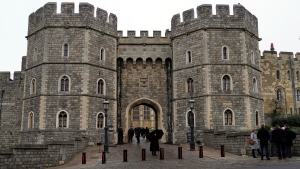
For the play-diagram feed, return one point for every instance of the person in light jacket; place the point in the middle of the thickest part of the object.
(255, 146)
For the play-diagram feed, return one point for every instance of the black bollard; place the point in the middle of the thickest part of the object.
(143, 154)
(200, 151)
(222, 151)
(124, 155)
(161, 154)
(83, 158)
(179, 152)
(103, 157)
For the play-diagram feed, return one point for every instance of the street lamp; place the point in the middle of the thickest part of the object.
(1, 96)
(191, 120)
(105, 106)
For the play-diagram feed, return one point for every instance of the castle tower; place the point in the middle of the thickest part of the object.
(70, 71)
(216, 63)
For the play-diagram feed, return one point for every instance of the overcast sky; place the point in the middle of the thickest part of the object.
(278, 21)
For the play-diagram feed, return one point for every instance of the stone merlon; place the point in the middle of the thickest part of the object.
(241, 19)
(47, 17)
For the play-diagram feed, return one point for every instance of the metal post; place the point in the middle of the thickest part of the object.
(143, 154)
(200, 151)
(222, 151)
(83, 158)
(179, 152)
(103, 157)
(106, 136)
(161, 154)
(124, 155)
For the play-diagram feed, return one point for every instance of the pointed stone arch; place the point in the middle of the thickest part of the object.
(152, 104)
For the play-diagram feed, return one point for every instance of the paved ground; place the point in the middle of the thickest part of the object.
(190, 159)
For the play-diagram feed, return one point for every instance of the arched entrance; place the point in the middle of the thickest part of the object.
(158, 117)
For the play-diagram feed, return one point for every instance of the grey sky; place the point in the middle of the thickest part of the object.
(278, 22)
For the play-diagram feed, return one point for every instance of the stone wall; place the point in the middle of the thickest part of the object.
(41, 155)
(236, 142)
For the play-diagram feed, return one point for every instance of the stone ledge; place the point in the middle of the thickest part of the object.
(6, 152)
(61, 143)
(31, 146)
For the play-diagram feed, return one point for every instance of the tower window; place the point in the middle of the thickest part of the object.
(228, 117)
(226, 82)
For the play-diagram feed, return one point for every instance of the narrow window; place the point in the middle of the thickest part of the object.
(224, 51)
(100, 86)
(62, 119)
(66, 50)
(136, 113)
(278, 95)
(228, 117)
(30, 120)
(146, 113)
(254, 85)
(189, 57)
(190, 84)
(64, 82)
(291, 110)
(252, 57)
(33, 86)
(102, 54)
(226, 82)
(297, 75)
(100, 120)
(288, 75)
(35, 54)
(277, 74)
(298, 95)
(256, 118)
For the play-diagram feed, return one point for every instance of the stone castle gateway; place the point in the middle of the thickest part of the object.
(77, 60)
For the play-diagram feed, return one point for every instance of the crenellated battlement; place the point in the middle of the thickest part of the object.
(5, 77)
(47, 16)
(284, 56)
(205, 19)
(144, 34)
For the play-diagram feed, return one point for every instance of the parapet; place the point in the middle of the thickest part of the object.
(144, 38)
(144, 34)
(241, 18)
(273, 56)
(5, 77)
(47, 16)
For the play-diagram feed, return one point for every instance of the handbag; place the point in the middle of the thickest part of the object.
(251, 141)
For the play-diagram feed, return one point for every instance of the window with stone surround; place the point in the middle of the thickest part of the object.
(102, 54)
(64, 84)
(101, 87)
(254, 85)
(190, 85)
(226, 82)
(136, 113)
(278, 95)
(225, 53)
(100, 123)
(288, 75)
(30, 120)
(146, 113)
(188, 57)
(228, 117)
(297, 75)
(33, 86)
(277, 74)
(62, 119)
(298, 95)
(252, 57)
(65, 48)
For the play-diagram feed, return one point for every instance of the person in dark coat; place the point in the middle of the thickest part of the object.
(264, 136)
(279, 139)
(130, 134)
(273, 147)
(138, 134)
(120, 135)
(146, 133)
(290, 135)
(154, 146)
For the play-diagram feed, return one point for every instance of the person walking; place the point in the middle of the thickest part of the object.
(138, 134)
(278, 137)
(120, 135)
(290, 135)
(255, 146)
(130, 134)
(263, 136)
(154, 146)
(146, 133)
(272, 149)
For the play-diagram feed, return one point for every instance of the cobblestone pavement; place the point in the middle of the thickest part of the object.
(190, 159)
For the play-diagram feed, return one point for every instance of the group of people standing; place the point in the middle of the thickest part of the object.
(282, 138)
